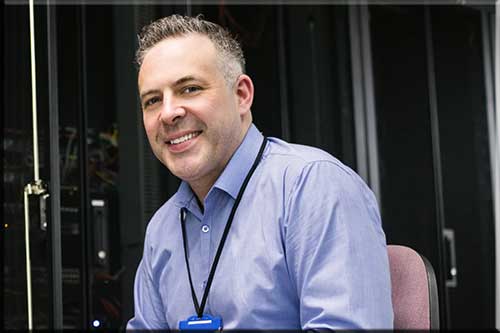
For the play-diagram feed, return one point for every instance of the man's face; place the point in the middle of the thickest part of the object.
(193, 118)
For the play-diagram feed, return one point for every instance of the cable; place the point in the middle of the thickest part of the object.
(33, 91)
(27, 190)
(28, 260)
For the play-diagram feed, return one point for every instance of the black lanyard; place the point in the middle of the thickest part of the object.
(199, 309)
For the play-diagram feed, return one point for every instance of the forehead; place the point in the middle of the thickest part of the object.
(175, 57)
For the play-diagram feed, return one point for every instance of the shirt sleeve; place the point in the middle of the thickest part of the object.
(336, 251)
(148, 306)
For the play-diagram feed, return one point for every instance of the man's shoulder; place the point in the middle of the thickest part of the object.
(298, 157)
(298, 164)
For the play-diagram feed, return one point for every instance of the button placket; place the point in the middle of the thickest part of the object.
(205, 249)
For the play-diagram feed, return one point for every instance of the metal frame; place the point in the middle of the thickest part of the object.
(371, 118)
(282, 63)
(358, 93)
(82, 122)
(55, 178)
(492, 62)
(365, 120)
(491, 53)
(492, 134)
(436, 160)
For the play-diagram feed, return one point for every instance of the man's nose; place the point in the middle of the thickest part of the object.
(171, 112)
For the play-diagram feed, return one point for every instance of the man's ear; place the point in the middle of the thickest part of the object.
(244, 93)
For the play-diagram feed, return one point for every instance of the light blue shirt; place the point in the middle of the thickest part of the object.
(306, 248)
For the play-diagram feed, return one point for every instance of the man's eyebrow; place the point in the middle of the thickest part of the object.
(185, 79)
(147, 92)
(178, 82)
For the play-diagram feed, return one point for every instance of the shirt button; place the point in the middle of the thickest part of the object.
(205, 228)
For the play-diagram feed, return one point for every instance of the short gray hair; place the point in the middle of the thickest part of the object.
(231, 60)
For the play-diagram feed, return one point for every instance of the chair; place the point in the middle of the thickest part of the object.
(414, 289)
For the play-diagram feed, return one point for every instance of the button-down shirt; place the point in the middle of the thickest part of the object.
(306, 248)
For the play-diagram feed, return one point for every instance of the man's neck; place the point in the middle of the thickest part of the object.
(200, 204)
(201, 187)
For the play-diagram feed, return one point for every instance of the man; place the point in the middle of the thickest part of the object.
(303, 246)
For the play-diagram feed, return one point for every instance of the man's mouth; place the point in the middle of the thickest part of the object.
(184, 138)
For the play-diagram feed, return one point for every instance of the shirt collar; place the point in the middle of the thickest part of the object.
(240, 163)
(235, 171)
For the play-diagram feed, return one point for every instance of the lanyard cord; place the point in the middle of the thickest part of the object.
(199, 308)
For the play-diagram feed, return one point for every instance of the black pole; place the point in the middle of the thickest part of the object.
(54, 225)
(283, 77)
(438, 178)
(86, 229)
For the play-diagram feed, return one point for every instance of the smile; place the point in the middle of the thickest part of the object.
(184, 138)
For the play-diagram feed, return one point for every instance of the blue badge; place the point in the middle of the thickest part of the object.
(205, 323)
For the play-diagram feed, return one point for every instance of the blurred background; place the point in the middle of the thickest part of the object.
(403, 94)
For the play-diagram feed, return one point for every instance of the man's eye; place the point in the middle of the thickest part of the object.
(151, 101)
(190, 89)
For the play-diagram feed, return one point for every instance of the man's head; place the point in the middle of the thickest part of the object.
(195, 98)
(230, 56)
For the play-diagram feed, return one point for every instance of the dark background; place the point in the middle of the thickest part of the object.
(431, 130)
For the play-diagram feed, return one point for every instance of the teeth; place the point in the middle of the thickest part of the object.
(183, 138)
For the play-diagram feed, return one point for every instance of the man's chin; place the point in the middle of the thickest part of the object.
(187, 172)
